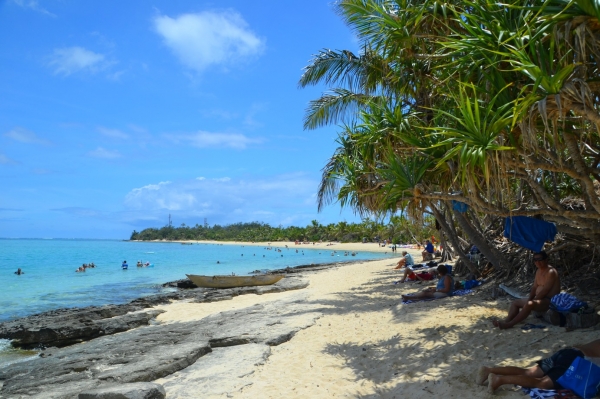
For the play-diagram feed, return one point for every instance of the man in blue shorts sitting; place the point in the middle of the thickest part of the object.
(544, 374)
(428, 252)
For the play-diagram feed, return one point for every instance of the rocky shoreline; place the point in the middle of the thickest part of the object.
(122, 344)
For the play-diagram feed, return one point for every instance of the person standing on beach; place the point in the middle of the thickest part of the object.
(545, 286)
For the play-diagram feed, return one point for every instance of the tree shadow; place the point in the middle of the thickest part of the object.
(438, 360)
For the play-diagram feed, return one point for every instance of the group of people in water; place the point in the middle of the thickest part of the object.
(142, 264)
(85, 266)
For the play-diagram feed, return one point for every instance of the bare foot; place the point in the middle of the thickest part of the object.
(493, 383)
(482, 375)
(503, 326)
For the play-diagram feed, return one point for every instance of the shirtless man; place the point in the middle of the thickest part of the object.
(545, 286)
(544, 374)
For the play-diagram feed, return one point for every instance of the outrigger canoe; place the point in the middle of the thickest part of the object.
(234, 281)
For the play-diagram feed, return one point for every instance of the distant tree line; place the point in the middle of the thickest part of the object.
(398, 229)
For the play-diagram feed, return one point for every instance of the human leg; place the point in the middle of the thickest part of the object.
(419, 295)
(401, 263)
(496, 381)
(482, 375)
(406, 272)
(521, 309)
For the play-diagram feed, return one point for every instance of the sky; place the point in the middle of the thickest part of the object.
(116, 114)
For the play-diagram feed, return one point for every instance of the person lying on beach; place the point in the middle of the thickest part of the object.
(426, 274)
(406, 260)
(445, 287)
(544, 374)
(545, 286)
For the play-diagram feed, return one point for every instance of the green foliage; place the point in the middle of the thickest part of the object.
(397, 228)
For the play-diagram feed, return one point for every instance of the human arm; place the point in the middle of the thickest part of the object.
(533, 290)
(591, 349)
(447, 285)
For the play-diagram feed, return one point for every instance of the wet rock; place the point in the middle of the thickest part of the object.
(139, 390)
(65, 327)
(62, 328)
(153, 352)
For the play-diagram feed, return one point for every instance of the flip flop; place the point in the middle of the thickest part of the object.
(530, 326)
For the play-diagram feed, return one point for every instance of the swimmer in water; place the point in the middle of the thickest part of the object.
(19, 272)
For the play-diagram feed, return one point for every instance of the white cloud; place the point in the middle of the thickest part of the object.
(114, 133)
(79, 211)
(136, 128)
(104, 153)
(33, 5)
(219, 113)
(203, 139)
(160, 196)
(68, 60)
(25, 136)
(249, 119)
(272, 198)
(209, 38)
(4, 160)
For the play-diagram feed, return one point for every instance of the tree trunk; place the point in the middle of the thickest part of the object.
(454, 239)
(493, 255)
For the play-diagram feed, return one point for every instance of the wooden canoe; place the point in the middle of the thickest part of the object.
(234, 281)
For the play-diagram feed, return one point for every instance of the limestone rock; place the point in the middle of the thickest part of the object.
(138, 390)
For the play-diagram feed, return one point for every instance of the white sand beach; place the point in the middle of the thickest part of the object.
(369, 345)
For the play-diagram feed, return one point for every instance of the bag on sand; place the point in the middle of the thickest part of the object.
(582, 377)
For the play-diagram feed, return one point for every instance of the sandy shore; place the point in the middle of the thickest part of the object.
(334, 246)
(368, 345)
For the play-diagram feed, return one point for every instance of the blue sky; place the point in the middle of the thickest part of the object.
(115, 114)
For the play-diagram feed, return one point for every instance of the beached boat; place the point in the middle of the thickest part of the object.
(234, 281)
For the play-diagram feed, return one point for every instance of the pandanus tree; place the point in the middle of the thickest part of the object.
(493, 105)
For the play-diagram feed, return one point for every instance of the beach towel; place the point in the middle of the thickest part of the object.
(529, 233)
(537, 393)
(455, 293)
(564, 302)
(459, 206)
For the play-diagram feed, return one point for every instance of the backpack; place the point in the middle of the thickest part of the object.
(582, 377)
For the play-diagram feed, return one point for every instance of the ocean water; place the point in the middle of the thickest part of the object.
(50, 281)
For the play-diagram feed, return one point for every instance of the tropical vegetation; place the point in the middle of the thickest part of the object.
(470, 111)
(398, 229)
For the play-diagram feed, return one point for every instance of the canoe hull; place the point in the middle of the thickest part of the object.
(234, 281)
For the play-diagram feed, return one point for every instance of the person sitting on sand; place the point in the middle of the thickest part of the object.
(445, 287)
(428, 252)
(406, 260)
(545, 286)
(544, 374)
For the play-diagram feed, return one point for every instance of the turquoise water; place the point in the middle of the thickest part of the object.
(50, 281)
